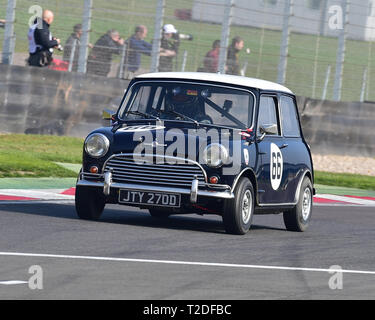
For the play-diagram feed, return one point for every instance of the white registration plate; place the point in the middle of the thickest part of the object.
(149, 198)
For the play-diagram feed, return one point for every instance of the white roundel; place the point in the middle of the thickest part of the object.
(276, 166)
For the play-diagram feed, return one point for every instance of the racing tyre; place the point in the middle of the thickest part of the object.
(298, 218)
(89, 202)
(238, 212)
(157, 213)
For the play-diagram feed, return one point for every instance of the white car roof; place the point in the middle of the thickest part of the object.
(223, 78)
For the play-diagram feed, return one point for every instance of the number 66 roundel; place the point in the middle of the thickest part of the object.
(276, 166)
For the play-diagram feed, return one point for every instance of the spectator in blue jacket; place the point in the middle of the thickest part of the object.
(136, 46)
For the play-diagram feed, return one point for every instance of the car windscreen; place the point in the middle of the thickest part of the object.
(201, 103)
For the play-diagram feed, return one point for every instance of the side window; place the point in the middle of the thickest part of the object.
(267, 112)
(289, 118)
(156, 101)
(140, 102)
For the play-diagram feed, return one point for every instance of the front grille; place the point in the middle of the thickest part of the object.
(91, 176)
(125, 169)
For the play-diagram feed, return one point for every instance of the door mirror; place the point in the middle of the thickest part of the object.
(228, 104)
(108, 114)
(267, 129)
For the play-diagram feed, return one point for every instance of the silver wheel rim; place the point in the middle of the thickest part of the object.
(306, 204)
(246, 207)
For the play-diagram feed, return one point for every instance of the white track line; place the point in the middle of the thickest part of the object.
(37, 201)
(364, 202)
(205, 264)
(12, 282)
(38, 194)
(339, 205)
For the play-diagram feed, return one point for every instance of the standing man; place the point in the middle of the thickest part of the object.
(168, 48)
(233, 63)
(41, 42)
(211, 60)
(100, 58)
(75, 37)
(136, 46)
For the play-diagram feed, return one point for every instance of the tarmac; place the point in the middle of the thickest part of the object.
(27, 189)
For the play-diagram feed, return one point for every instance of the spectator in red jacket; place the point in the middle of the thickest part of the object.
(211, 60)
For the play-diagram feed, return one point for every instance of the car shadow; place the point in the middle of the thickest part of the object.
(128, 216)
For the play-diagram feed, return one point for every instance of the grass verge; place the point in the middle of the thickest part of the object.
(34, 155)
(345, 180)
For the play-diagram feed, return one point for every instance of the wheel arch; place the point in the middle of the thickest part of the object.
(248, 173)
(308, 174)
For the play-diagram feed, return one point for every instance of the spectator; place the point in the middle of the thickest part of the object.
(69, 44)
(168, 48)
(211, 60)
(100, 58)
(41, 42)
(2, 23)
(136, 46)
(233, 64)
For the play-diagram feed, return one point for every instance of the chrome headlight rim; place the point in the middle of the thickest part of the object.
(105, 141)
(222, 159)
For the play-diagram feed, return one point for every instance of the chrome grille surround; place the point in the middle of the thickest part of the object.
(179, 172)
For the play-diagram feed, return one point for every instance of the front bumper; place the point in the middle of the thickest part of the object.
(211, 191)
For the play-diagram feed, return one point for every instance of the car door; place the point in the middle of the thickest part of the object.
(271, 150)
(295, 154)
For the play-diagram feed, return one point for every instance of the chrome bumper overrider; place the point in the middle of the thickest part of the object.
(194, 191)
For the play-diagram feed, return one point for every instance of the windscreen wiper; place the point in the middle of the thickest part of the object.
(185, 117)
(146, 115)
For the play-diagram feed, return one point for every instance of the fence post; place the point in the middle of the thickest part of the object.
(340, 59)
(184, 59)
(8, 42)
(284, 48)
(122, 62)
(157, 36)
(315, 73)
(225, 31)
(328, 74)
(85, 38)
(323, 15)
(260, 52)
(244, 68)
(72, 53)
(364, 83)
(369, 69)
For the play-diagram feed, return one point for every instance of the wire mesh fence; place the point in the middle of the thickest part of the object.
(318, 48)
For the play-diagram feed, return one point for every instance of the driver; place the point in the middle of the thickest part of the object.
(185, 102)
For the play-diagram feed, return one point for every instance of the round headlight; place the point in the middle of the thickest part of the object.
(96, 145)
(215, 155)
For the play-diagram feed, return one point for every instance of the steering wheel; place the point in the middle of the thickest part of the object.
(205, 119)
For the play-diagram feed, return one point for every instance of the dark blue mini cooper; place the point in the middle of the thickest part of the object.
(201, 143)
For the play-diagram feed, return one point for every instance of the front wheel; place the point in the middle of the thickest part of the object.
(299, 217)
(238, 212)
(89, 203)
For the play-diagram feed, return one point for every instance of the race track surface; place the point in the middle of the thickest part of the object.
(130, 255)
